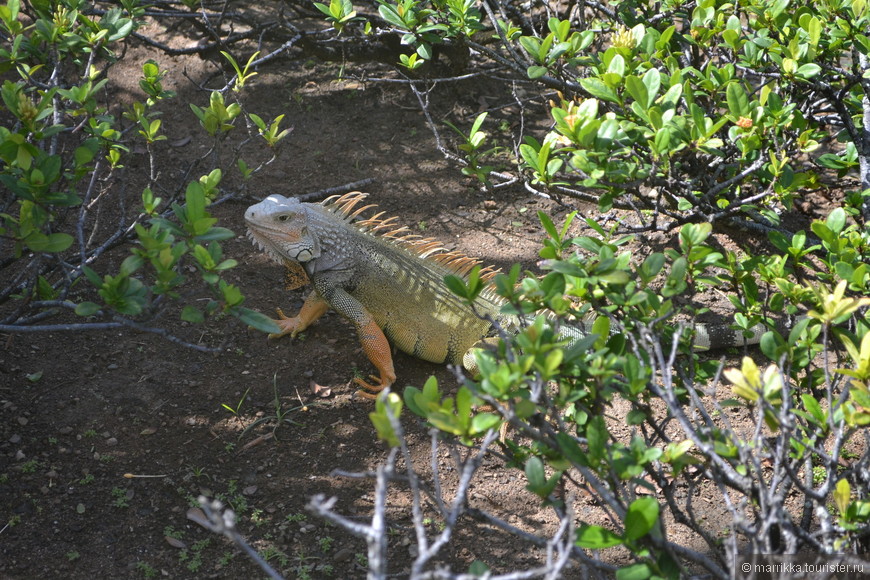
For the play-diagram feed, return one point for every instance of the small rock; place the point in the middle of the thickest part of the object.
(343, 555)
(15, 439)
(19, 455)
(250, 490)
(65, 430)
(112, 367)
(112, 441)
(22, 421)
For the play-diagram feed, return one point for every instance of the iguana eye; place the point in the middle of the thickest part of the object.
(283, 217)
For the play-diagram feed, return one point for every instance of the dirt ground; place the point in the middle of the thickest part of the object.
(79, 411)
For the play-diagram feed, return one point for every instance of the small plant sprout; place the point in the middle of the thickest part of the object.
(281, 414)
(236, 411)
(242, 74)
(473, 148)
(272, 132)
(339, 12)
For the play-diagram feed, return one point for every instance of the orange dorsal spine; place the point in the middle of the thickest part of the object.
(426, 248)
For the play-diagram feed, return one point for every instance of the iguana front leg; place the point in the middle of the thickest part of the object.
(313, 308)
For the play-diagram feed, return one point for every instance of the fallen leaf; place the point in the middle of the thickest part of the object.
(148, 431)
(181, 142)
(320, 390)
(196, 515)
(175, 542)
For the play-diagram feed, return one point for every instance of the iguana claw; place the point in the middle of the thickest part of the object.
(370, 391)
(288, 325)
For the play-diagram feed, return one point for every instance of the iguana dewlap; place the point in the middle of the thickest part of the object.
(388, 283)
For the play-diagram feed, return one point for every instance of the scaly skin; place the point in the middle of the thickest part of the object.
(388, 285)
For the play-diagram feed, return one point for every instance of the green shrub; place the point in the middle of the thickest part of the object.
(64, 156)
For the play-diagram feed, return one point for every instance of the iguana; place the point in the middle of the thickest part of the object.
(388, 282)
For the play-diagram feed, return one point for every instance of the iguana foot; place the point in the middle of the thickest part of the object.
(371, 391)
(313, 308)
(289, 325)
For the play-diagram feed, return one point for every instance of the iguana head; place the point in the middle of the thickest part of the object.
(279, 225)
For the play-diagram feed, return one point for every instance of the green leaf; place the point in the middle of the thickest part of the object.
(256, 320)
(634, 572)
(570, 449)
(536, 71)
(652, 79)
(215, 234)
(836, 220)
(597, 88)
(638, 91)
(538, 482)
(738, 101)
(642, 515)
(192, 314)
(596, 538)
(93, 277)
(597, 436)
(87, 308)
(842, 495)
(52, 243)
(381, 420)
(812, 405)
(483, 422)
(808, 70)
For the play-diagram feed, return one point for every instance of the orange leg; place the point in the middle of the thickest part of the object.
(377, 349)
(313, 308)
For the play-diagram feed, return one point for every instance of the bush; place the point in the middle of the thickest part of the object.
(700, 112)
(64, 157)
(790, 463)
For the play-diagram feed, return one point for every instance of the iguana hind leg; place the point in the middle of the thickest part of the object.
(377, 349)
(313, 308)
(371, 338)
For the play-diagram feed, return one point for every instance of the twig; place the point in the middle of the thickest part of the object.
(213, 517)
(339, 189)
